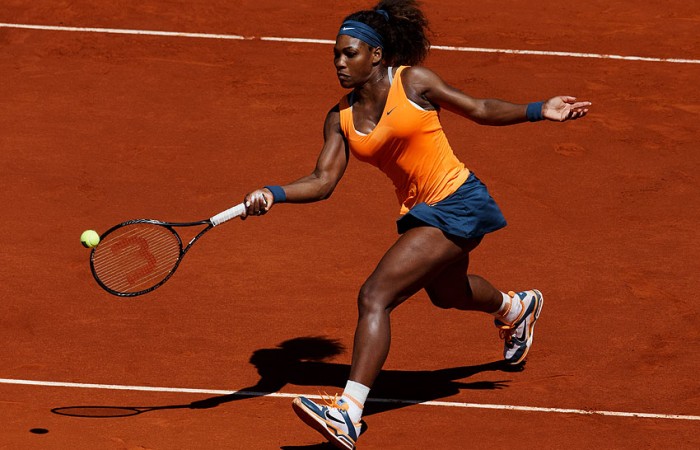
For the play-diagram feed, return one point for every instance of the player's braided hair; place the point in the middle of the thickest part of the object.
(403, 28)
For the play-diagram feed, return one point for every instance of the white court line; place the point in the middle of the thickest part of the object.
(123, 31)
(326, 41)
(374, 400)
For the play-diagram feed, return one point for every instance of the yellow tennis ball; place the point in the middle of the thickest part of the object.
(89, 238)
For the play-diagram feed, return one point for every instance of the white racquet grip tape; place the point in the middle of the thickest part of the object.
(228, 214)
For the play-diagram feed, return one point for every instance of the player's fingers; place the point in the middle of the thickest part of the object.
(260, 203)
(252, 207)
(256, 204)
(581, 105)
(577, 114)
(246, 203)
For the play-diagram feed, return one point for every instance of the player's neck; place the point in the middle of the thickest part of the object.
(376, 89)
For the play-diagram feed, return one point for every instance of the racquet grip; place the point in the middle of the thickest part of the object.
(228, 214)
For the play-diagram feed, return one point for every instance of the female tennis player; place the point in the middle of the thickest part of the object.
(390, 119)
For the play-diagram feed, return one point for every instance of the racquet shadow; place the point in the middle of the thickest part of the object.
(304, 362)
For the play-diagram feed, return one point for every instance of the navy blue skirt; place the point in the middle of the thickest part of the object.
(469, 212)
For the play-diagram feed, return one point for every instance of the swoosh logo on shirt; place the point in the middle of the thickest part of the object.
(391, 110)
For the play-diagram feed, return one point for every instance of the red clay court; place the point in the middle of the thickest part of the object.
(131, 118)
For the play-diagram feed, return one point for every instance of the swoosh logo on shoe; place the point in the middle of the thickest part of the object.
(335, 419)
(532, 310)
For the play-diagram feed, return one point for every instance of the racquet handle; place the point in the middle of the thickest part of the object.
(228, 214)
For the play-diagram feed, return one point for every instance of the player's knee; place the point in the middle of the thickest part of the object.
(371, 299)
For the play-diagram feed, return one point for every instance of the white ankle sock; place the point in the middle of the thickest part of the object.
(510, 309)
(355, 395)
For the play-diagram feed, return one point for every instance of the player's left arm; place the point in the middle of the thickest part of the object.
(426, 88)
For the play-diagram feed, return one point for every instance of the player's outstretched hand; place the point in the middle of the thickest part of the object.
(563, 107)
(258, 203)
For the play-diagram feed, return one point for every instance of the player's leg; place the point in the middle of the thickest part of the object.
(515, 314)
(453, 288)
(417, 257)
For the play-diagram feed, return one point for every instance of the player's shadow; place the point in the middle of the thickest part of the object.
(304, 362)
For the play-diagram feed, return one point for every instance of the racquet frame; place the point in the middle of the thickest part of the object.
(170, 226)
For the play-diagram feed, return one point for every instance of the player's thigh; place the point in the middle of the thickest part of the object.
(417, 257)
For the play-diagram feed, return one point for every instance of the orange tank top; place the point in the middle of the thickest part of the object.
(409, 146)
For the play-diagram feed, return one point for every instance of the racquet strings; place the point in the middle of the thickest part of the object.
(136, 257)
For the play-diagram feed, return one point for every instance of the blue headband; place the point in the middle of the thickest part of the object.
(363, 32)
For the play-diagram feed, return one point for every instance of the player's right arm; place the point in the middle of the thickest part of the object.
(319, 184)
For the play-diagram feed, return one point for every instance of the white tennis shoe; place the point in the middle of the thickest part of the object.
(518, 335)
(331, 420)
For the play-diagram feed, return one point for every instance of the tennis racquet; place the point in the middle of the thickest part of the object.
(138, 256)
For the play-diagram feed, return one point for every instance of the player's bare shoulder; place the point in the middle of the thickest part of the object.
(418, 74)
(417, 82)
(332, 122)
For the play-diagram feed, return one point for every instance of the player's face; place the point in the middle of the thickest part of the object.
(354, 61)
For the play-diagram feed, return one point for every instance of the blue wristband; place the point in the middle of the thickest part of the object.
(534, 112)
(278, 194)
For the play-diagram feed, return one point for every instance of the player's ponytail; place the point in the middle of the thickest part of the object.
(403, 29)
